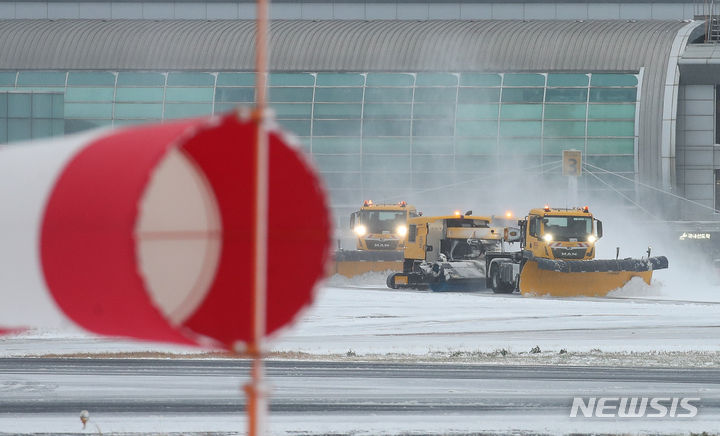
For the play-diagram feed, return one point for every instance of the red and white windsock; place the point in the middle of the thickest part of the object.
(147, 232)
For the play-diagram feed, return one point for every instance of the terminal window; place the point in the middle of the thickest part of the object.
(30, 115)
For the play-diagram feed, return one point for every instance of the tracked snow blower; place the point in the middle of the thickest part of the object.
(557, 257)
(446, 253)
(381, 232)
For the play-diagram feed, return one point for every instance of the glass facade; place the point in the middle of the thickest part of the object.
(372, 135)
(29, 115)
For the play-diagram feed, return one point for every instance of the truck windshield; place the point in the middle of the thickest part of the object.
(567, 228)
(378, 221)
(467, 223)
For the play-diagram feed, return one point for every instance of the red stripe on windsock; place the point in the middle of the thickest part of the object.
(298, 231)
(88, 250)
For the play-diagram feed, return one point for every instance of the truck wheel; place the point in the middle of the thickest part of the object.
(498, 286)
(391, 281)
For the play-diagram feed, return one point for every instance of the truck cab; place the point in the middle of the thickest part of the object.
(567, 234)
(382, 227)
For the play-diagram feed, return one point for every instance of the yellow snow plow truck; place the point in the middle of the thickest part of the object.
(446, 253)
(381, 231)
(557, 257)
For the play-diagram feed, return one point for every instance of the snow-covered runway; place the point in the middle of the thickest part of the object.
(161, 396)
(371, 319)
(354, 321)
(364, 318)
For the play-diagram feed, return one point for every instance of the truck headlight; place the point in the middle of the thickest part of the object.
(401, 230)
(548, 237)
(592, 239)
(360, 230)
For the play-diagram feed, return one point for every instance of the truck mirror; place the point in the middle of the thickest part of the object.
(533, 230)
(599, 229)
(352, 220)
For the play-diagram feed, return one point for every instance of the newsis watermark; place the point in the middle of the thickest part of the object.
(634, 407)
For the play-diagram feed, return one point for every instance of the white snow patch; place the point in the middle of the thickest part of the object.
(637, 287)
(688, 281)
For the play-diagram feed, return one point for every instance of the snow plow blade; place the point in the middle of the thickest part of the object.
(354, 263)
(592, 278)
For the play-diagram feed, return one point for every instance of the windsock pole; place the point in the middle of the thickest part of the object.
(256, 401)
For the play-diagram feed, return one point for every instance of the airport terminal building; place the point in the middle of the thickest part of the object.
(399, 100)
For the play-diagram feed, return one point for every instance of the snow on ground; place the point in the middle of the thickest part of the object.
(356, 425)
(361, 317)
(375, 320)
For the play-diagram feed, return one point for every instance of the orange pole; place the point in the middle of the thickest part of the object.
(257, 406)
